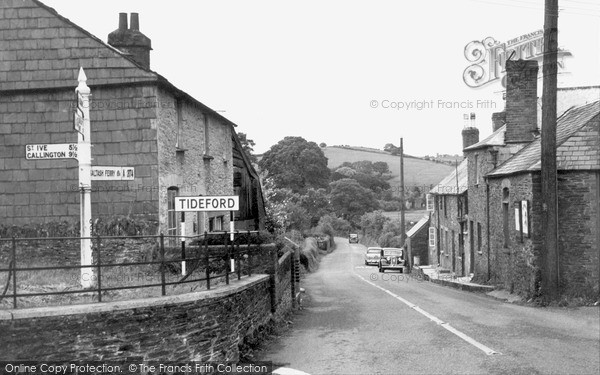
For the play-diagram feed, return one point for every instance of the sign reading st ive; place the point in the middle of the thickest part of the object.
(217, 203)
(51, 151)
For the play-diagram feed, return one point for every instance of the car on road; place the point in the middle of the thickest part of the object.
(353, 238)
(392, 258)
(372, 255)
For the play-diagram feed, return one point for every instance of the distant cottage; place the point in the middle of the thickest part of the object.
(177, 145)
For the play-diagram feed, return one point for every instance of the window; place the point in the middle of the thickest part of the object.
(505, 213)
(206, 134)
(172, 192)
(479, 237)
(430, 203)
(445, 207)
(453, 252)
(447, 241)
(215, 224)
(179, 140)
(476, 172)
(431, 237)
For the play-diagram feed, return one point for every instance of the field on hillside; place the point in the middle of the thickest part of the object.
(413, 215)
(417, 172)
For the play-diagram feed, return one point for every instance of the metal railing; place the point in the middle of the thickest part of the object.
(211, 261)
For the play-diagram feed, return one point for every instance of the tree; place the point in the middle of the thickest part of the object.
(350, 200)
(322, 144)
(381, 167)
(316, 204)
(248, 147)
(296, 164)
(372, 223)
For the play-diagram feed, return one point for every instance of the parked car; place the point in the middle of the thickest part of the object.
(372, 255)
(392, 258)
(353, 238)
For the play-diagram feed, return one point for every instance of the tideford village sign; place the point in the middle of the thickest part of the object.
(488, 57)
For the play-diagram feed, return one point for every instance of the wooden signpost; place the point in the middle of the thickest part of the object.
(205, 204)
(82, 152)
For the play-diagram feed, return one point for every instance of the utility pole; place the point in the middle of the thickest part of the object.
(402, 205)
(550, 273)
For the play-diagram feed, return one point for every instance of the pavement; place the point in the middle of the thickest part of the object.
(356, 320)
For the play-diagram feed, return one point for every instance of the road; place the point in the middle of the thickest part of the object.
(358, 321)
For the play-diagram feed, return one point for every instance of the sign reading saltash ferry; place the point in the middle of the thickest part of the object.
(488, 57)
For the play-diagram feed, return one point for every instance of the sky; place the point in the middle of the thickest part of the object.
(360, 73)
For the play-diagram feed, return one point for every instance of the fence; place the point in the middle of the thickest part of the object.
(207, 259)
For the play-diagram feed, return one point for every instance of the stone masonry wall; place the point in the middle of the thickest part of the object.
(579, 234)
(515, 262)
(195, 171)
(203, 326)
(448, 225)
(516, 267)
(38, 191)
(478, 211)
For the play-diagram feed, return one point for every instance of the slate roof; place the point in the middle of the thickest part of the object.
(417, 227)
(494, 139)
(40, 49)
(577, 140)
(449, 185)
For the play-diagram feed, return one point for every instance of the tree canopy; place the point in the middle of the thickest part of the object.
(296, 164)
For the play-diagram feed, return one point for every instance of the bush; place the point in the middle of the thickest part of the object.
(333, 226)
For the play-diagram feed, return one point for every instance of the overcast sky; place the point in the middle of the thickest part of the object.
(317, 68)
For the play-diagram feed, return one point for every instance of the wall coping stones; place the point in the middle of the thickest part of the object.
(235, 286)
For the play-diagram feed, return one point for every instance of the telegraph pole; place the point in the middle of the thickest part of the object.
(550, 266)
(402, 205)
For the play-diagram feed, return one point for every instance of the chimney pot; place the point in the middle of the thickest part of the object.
(131, 41)
(122, 21)
(135, 21)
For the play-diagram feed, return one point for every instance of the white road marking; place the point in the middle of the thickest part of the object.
(438, 321)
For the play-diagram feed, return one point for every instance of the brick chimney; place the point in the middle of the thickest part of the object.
(521, 100)
(498, 120)
(131, 41)
(470, 133)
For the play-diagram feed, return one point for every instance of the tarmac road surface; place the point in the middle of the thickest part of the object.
(358, 321)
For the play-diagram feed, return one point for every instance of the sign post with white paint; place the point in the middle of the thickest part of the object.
(206, 204)
(85, 179)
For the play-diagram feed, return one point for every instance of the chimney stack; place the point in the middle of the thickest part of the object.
(131, 41)
(470, 133)
(498, 120)
(521, 100)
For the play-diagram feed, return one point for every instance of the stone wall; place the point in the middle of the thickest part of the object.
(41, 191)
(448, 230)
(514, 260)
(203, 326)
(516, 263)
(194, 170)
(579, 233)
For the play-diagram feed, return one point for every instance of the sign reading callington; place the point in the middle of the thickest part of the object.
(51, 151)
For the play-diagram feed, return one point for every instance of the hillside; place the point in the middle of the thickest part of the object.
(417, 172)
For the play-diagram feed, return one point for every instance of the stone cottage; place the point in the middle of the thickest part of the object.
(515, 206)
(177, 145)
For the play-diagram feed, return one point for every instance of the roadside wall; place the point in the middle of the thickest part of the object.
(203, 326)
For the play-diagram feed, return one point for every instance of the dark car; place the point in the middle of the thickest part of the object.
(392, 259)
(353, 238)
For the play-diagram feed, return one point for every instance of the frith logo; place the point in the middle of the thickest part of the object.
(488, 57)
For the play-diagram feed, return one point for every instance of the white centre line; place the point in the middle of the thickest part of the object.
(438, 321)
